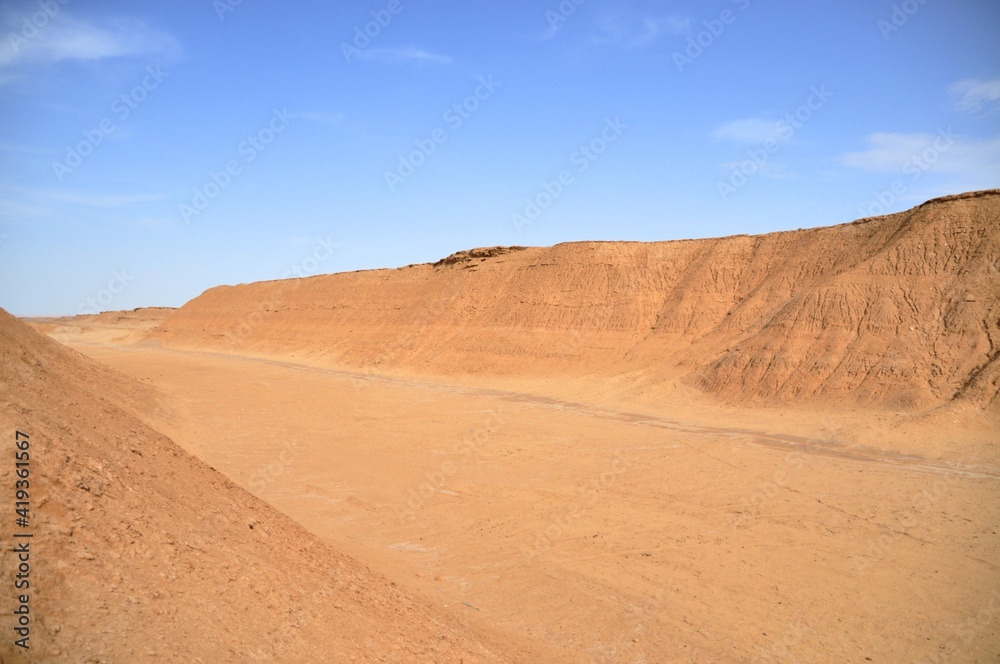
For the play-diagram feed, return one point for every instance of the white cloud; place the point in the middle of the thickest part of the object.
(633, 30)
(11, 210)
(887, 152)
(973, 95)
(89, 199)
(21, 203)
(654, 27)
(321, 117)
(771, 169)
(749, 131)
(66, 38)
(404, 55)
(623, 23)
(942, 152)
(24, 149)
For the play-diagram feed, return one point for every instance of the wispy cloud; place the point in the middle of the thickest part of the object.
(23, 149)
(64, 37)
(404, 55)
(771, 169)
(942, 152)
(887, 152)
(625, 24)
(321, 117)
(973, 95)
(628, 29)
(106, 201)
(19, 203)
(14, 210)
(749, 131)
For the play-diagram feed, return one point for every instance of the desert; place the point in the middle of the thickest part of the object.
(749, 449)
(562, 332)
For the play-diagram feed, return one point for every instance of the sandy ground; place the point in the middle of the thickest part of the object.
(128, 549)
(586, 531)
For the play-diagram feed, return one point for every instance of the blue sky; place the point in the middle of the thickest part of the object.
(150, 151)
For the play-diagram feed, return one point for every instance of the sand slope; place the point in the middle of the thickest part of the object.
(143, 553)
(901, 311)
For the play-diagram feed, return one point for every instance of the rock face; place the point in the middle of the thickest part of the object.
(142, 553)
(901, 311)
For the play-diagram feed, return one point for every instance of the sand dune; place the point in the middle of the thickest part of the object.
(901, 311)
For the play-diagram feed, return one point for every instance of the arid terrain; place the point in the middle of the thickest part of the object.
(776, 448)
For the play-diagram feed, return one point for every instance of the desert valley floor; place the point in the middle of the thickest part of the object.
(583, 531)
